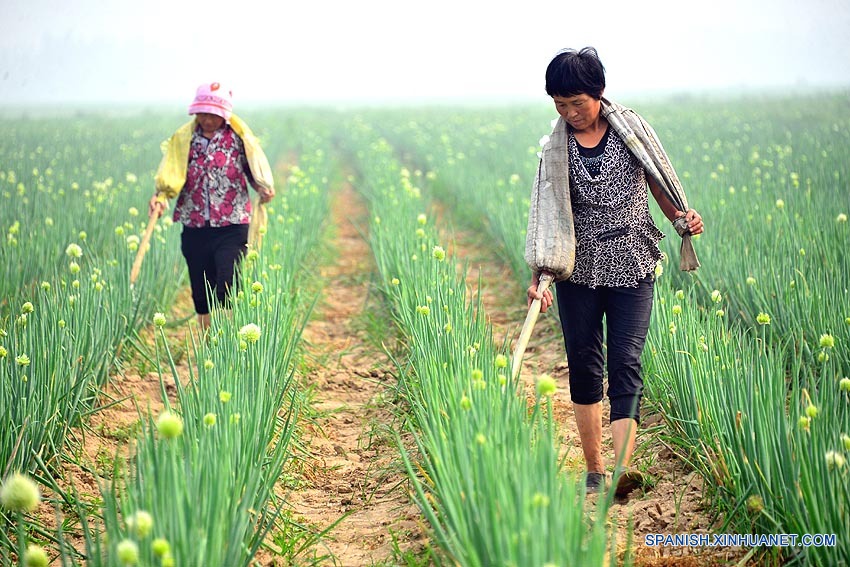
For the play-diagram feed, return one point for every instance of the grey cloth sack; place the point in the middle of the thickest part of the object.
(550, 244)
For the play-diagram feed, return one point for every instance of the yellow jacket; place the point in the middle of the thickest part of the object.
(171, 174)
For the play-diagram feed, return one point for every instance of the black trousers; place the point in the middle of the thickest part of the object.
(212, 254)
(626, 311)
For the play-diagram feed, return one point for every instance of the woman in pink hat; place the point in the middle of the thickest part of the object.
(208, 164)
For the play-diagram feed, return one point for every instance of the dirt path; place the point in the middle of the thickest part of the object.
(352, 466)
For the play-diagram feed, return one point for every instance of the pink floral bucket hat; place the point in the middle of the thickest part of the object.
(212, 98)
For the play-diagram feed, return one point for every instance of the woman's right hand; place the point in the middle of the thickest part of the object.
(155, 206)
(545, 298)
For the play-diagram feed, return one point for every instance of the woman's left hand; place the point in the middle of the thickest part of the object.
(265, 194)
(695, 225)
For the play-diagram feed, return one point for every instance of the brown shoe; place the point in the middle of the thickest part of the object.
(628, 480)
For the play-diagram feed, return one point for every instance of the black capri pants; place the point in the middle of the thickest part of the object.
(211, 255)
(627, 311)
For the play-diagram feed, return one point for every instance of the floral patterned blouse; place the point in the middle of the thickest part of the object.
(616, 238)
(216, 189)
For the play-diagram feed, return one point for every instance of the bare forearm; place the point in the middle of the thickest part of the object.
(667, 207)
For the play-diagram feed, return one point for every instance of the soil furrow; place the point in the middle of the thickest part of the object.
(351, 467)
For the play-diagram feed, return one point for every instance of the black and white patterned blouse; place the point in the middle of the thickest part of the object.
(616, 238)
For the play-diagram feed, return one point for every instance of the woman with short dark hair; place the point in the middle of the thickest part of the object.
(590, 229)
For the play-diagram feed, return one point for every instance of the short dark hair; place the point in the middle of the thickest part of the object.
(574, 72)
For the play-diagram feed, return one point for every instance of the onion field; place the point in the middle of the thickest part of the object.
(747, 368)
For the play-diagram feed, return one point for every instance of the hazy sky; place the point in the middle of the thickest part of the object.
(69, 51)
